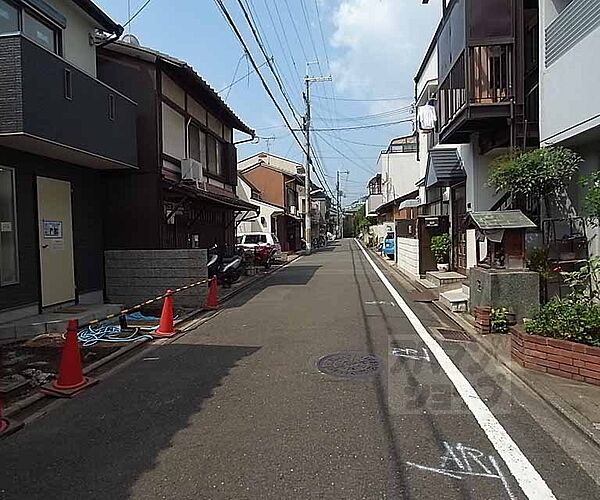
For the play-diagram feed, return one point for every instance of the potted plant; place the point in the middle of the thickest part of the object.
(440, 247)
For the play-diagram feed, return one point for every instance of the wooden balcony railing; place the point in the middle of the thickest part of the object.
(484, 77)
(490, 74)
(453, 92)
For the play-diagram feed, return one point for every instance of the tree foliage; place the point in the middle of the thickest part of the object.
(361, 223)
(440, 247)
(538, 173)
(591, 204)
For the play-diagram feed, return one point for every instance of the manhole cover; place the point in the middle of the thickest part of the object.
(457, 335)
(349, 364)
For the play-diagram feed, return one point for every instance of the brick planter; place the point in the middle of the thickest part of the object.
(556, 356)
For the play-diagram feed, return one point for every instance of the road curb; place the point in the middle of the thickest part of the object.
(198, 318)
(562, 407)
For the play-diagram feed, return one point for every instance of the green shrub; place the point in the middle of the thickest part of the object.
(498, 320)
(569, 319)
(440, 247)
(537, 173)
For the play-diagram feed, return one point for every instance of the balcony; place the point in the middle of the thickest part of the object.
(477, 93)
(51, 108)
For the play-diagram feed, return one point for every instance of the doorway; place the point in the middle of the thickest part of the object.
(459, 234)
(56, 241)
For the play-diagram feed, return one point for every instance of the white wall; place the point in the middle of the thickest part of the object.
(399, 173)
(407, 250)
(173, 132)
(480, 196)
(426, 83)
(570, 102)
(374, 201)
(76, 36)
(429, 73)
(281, 164)
(263, 222)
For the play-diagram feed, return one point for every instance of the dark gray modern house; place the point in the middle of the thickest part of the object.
(61, 128)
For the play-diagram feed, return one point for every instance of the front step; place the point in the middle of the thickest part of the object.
(455, 300)
(442, 278)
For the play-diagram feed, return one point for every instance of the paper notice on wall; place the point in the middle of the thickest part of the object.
(6, 227)
(53, 229)
(57, 245)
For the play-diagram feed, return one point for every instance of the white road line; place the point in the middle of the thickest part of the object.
(529, 479)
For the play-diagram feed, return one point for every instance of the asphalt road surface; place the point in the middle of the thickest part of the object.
(325, 381)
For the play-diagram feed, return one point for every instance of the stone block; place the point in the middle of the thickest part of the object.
(518, 291)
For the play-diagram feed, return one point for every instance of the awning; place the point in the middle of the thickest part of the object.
(390, 204)
(416, 202)
(444, 168)
(498, 220)
(233, 203)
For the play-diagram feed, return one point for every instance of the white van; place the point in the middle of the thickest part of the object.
(251, 240)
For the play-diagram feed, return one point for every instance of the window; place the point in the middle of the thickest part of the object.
(214, 155)
(13, 20)
(9, 264)
(68, 85)
(9, 18)
(40, 32)
(195, 151)
(255, 239)
(112, 107)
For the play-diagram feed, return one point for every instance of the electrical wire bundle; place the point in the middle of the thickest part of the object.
(90, 336)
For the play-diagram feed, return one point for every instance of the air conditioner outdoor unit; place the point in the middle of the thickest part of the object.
(191, 170)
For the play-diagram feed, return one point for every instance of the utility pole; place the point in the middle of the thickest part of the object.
(340, 217)
(306, 126)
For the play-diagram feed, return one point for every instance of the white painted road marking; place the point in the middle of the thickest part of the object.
(460, 462)
(405, 352)
(380, 303)
(531, 483)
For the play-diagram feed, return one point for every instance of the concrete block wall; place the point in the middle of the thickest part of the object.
(408, 255)
(133, 276)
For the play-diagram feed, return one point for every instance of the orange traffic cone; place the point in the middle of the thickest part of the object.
(212, 301)
(165, 327)
(70, 378)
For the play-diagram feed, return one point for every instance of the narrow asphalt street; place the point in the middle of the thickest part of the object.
(237, 409)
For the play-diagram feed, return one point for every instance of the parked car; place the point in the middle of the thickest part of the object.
(253, 240)
(389, 246)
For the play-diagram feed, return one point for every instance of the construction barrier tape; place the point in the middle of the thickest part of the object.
(124, 312)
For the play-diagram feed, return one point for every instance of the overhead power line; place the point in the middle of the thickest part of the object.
(268, 59)
(137, 13)
(384, 114)
(360, 127)
(344, 155)
(239, 36)
(381, 99)
(241, 78)
(358, 143)
(236, 31)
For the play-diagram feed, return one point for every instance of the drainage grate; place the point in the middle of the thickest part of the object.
(349, 364)
(457, 335)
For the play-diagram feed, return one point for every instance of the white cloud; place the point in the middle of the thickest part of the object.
(379, 45)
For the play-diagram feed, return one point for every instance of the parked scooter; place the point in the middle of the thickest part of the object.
(264, 255)
(227, 269)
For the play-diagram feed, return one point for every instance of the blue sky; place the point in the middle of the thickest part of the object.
(371, 48)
